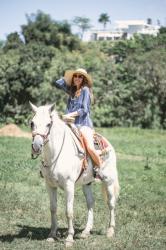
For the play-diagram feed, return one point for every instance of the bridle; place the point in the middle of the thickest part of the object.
(45, 140)
(44, 136)
(63, 140)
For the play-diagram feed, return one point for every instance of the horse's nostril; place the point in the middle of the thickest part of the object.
(36, 147)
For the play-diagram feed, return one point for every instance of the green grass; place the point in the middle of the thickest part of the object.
(140, 211)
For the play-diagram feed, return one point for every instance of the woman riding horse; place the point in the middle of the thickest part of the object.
(62, 164)
(78, 85)
(61, 168)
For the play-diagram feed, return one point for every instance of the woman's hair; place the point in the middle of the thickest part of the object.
(73, 89)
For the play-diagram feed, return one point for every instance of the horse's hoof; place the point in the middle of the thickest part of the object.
(110, 232)
(69, 243)
(85, 234)
(50, 239)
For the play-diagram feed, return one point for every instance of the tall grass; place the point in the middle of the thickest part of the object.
(140, 211)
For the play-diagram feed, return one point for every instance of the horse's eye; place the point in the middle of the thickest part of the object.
(32, 125)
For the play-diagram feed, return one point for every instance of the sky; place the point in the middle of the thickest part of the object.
(13, 12)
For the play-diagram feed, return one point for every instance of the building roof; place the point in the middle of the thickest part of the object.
(126, 23)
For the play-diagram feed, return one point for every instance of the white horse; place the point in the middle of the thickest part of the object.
(62, 165)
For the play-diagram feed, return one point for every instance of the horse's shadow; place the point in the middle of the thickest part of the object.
(40, 233)
(36, 233)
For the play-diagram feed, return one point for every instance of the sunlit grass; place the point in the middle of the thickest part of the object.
(140, 211)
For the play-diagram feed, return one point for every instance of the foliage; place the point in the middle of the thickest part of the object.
(42, 29)
(13, 42)
(129, 75)
(162, 30)
(149, 21)
(83, 24)
(22, 72)
(143, 92)
(104, 19)
(1, 43)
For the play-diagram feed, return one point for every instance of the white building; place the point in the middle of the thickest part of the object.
(106, 35)
(131, 27)
(123, 29)
(95, 35)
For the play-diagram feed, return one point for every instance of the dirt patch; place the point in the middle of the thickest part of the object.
(13, 130)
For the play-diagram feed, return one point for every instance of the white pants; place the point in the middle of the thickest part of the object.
(87, 134)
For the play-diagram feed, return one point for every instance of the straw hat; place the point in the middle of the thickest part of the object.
(69, 75)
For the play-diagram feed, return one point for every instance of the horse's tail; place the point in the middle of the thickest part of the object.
(104, 191)
(116, 190)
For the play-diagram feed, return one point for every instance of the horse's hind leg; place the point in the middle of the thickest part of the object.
(111, 200)
(69, 212)
(90, 202)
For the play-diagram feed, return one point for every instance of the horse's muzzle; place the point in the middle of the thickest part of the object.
(37, 144)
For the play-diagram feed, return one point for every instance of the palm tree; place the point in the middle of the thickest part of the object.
(104, 19)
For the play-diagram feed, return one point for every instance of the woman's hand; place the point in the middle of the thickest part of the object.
(68, 118)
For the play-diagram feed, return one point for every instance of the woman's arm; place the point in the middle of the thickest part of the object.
(71, 115)
(85, 105)
(61, 84)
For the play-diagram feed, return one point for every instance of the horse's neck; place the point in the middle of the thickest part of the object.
(56, 141)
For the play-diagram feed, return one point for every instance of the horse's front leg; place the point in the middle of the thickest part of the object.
(90, 202)
(69, 212)
(53, 209)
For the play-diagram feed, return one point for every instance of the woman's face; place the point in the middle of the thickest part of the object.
(78, 80)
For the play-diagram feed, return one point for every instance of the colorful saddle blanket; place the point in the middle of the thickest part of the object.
(100, 143)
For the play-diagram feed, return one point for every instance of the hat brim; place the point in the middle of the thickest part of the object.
(69, 75)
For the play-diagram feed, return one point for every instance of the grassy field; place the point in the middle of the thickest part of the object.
(140, 211)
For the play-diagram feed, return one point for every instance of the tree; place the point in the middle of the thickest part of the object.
(83, 24)
(158, 22)
(42, 29)
(162, 30)
(2, 43)
(104, 19)
(149, 21)
(13, 41)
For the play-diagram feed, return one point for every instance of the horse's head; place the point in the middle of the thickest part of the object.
(40, 126)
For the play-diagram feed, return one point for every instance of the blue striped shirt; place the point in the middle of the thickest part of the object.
(81, 104)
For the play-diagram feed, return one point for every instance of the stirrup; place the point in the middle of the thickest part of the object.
(96, 174)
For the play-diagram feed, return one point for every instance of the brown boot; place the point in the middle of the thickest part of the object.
(96, 174)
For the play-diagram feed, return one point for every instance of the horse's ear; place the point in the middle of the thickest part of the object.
(51, 107)
(34, 108)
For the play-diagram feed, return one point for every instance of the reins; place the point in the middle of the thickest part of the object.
(45, 141)
(64, 135)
